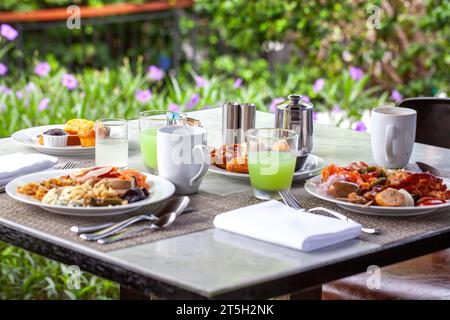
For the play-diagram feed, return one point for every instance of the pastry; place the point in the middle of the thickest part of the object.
(87, 136)
(74, 125)
(231, 157)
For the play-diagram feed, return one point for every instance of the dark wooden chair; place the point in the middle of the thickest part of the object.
(426, 277)
(433, 119)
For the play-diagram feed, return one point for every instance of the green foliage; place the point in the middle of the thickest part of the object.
(408, 52)
(24, 275)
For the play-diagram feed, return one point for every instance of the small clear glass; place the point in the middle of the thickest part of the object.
(271, 160)
(149, 123)
(111, 142)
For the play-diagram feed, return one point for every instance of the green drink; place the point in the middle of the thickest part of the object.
(271, 170)
(147, 141)
(271, 160)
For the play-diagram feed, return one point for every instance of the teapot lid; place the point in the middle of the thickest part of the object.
(296, 101)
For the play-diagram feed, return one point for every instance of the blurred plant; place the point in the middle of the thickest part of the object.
(25, 275)
(347, 97)
(7, 35)
(408, 53)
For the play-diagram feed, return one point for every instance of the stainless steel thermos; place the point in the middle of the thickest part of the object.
(296, 114)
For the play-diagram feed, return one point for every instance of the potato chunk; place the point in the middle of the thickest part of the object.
(390, 198)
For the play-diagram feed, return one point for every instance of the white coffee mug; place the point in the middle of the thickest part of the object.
(393, 132)
(183, 156)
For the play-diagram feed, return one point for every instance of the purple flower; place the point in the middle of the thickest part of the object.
(360, 126)
(8, 32)
(396, 96)
(3, 69)
(42, 69)
(356, 73)
(69, 81)
(200, 82)
(237, 83)
(273, 104)
(318, 85)
(174, 107)
(43, 104)
(30, 87)
(315, 116)
(2, 107)
(195, 98)
(337, 109)
(143, 96)
(19, 95)
(5, 90)
(306, 99)
(155, 73)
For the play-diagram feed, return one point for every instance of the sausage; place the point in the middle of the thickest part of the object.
(341, 189)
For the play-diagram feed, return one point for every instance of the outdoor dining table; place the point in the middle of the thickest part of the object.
(215, 264)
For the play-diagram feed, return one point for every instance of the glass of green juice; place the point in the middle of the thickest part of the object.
(149, 123)
(271, 160)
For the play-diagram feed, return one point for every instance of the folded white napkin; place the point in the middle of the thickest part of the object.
(18, 164)
(274, 222)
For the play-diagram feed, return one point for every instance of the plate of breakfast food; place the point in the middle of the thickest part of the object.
(96, 191)
(232, 161)
(75, 137)
(374, 190)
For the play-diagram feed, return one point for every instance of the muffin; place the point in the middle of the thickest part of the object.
(81, 132)
(74, 125)
(87, 136)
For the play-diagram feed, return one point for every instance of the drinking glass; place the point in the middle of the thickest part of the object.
(271, 160)
(111, 142)
(149, 123)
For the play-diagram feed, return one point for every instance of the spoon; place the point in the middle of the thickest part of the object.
(437, 172)
(163, 222)
(176, 205)
(98, 227)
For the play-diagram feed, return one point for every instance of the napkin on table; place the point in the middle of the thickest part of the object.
(18, 164)
(274, 222)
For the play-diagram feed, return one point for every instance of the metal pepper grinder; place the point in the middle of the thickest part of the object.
(297, 115)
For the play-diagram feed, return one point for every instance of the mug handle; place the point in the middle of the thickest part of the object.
(206, 160)
(389, 143)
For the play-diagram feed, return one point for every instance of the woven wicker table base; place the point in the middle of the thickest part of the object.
(207, 207)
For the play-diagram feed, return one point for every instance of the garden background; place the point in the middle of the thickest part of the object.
(229, 50)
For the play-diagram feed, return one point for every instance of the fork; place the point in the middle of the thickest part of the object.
(73, 164)
(292, 202)
(66, 165)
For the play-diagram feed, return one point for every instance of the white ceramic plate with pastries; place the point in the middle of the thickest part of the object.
(30, 137)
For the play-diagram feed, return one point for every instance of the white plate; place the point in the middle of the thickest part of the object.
(28, 137)
(312, 167)
(311, 186)
(163, 189)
